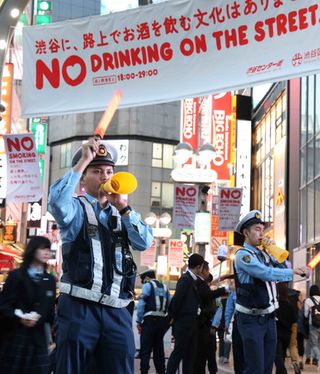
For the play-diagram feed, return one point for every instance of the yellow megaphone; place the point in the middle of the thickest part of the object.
(278, 253)
(121, 183)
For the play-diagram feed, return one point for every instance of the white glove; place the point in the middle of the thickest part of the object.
(303, 271)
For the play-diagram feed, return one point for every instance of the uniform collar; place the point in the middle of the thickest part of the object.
(248, 246)
(193, 276)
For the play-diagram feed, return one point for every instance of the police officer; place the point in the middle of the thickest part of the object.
(256, 301)
(93, 323)
(152, 321)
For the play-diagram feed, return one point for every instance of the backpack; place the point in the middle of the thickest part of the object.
(315, 313)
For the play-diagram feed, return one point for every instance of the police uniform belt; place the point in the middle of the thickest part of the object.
(98, 297)
(254, 311)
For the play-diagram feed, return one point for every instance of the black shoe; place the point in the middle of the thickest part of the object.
(307, 362)
(315, 362)
(296, 368)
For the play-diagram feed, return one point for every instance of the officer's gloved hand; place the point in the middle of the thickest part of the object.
(303, 271)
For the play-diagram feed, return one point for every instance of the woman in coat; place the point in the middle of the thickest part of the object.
(26, 305)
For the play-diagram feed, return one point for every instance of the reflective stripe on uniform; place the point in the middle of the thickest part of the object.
(98, 297)
(96, 247)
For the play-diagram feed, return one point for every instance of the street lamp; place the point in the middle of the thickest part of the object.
(197, 172)
(162, 233)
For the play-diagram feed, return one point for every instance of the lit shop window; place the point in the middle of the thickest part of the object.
(162, 155)
(65, 155)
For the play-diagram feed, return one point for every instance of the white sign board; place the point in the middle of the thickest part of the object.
(165, 52)
(23, 173)
(148, 257)
(229, 206)
(185, 206)
(176, 253)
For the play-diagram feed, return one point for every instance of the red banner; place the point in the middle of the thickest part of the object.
(148, 257)
(221, 133)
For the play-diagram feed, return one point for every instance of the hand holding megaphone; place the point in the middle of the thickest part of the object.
(278, 253)
(122, 183)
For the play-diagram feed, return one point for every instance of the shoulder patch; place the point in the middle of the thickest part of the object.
(246, 259)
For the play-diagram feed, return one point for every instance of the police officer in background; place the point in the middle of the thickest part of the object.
(152, 321)
(93, 322)
(255, 274)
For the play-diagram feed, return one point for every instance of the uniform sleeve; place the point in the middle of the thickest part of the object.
(139, 234)
(248, 263)
(8, 297)
(62, 204)
(217, 318)
(230, 306)
(145, 293)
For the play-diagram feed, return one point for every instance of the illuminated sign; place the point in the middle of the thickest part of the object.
(6, 97)
(40, 133)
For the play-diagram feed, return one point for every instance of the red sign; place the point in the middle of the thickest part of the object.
(148, 257)
(189, 121)
(221, 133)
(176, 253)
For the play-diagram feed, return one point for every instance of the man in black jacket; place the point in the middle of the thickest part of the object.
(208, 307)
(184, 309)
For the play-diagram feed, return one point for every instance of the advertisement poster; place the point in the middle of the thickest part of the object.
(229, 207)
(176, 253)
(23, 172)
(148, 257)
(185, 206)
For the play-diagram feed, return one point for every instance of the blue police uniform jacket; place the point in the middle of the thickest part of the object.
(154, 300)
(255, 274)
(93, 240)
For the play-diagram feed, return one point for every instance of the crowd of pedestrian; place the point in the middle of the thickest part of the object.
(89, 326)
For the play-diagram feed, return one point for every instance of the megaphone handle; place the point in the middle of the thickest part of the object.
(220, 268)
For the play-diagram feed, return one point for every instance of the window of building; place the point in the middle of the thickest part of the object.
(65, 155)
(303, 106)
(162, 195)
(310, 213)
(162, 155)
(317, 208)
(311, 98)
(310, 160)
(317, 105)
(303, 215)
(317, 156)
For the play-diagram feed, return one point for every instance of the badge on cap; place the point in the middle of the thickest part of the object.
(102, 151)
(258, 216)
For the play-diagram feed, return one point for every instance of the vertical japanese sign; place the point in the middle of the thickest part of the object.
(23, 176)
(189, 123)
(148, 257)
(229, 207)
(176, 253)
(39, 129)
(221, 133)
(5, 123)
(205, 117)
(185, 206)
(243, 172)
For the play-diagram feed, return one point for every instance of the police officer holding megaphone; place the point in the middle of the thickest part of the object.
(256, 272)
(98, 230)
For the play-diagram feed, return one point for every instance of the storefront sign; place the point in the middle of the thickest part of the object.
(176, 253)
(185, 206)
(243, 170)
(221, 130)
(10, 232)
(6, 99)
(39, 128)
(148, 257)
(23, 176)
(149, 53)
(189, 123)
(229, 207)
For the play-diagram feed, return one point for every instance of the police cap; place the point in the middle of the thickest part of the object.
(148, 273)
(251, 218)
(107, 155)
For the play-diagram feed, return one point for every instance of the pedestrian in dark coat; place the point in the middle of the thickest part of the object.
(26, 306)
